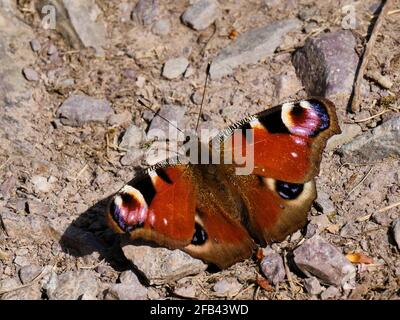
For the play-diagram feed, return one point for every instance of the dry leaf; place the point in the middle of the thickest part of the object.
(263, 283)
(357, 257)
(233, 34)
(260, 254)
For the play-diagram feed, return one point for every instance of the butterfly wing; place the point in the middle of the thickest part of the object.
(173, 206)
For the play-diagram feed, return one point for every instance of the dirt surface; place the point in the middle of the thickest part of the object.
(82, 169)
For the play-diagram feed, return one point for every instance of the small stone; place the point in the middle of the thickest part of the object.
(175, 115)
(37, 207)
(80, 109)
(330, 293)
(189, 72)
(30, 74)
(201, 14)
(52, 50)
(29, 272)
(41, 184)
(35, 45)
(321, 259)
(129, 74)
(312, 286)
(86, 20)
(227, 287)
(320, 221)
(324, 204)
(129, 289)
(7, 187)
(132, 157)
(140, 81)
(145, 11)
(327, 64)
(382, 142)
(161, 27)
(287, 84)
(29, 293)
(22, 261)
(272, 266)
(349, 132)
(73, 285)
(174, 68)
(67, 83)
(161, 265)
(186, 292)
(396, 232)
(251, 47)
(125, 10)
(349, 230)
(120, 119)
(132, 138)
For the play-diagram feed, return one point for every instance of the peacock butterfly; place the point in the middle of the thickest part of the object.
(217, 215)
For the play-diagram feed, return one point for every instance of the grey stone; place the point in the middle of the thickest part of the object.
(129, 288)
(321, 221)
(382, 142)
(73, 285)
(125, 10)
(321, 259)
(174, 114)
(132, 138)
(7, 186)
(327, 64)
(52, 50)
(85, 17)
(145, 11)
(30, 227)
(41, 184)
(330, 293)
(312, 285)
(161, 265)
(120, 119)
(227, 287)
(14, 89)
(35, 45)
(396, 232)
(80, 109)
(22, 261)
(173, 68)
(324, 203)
(272, 266)
(32, 292)
(132, 157)
(28, 273)
(186, 291)
(349, 230)
(201, 14)
(286, 84)
(251, 47)
(161, 27)
(349, 132)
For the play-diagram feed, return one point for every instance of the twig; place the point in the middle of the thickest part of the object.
(355, 104)
(288, 273)
(372, 117)
(243, 291)
(393, 205)
(362, 180)
(5, 163)
(393, 12)
(91, 267)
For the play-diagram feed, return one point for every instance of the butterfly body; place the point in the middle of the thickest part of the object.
(215, 214)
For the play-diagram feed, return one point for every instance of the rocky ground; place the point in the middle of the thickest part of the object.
(74, 112)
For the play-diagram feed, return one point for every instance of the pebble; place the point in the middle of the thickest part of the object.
(287, 84)
(132, 137)
(41, 184)
(272, 266)
(22, 261)
(321, 259)
(396, 232)
(330, 293)
(29, 272)
(35, 45)
(30, 74)
(174, 114)
(186, 291)
(161, 27)
(73, 285)
(312, 286)
(146, 11)
(349, 132)
(129, 288)
(201, 14)
(327, 64)
(86, 20)
(381, 143)
(120, 119)
(227, 287)
(161, 265)
(132, 157)
(174, 68)
(125, 10)
(80, 109)
(251, 47)
(324, 204)
(52, 50)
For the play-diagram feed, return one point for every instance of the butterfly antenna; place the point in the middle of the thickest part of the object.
(157, 115)
(204, 94)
